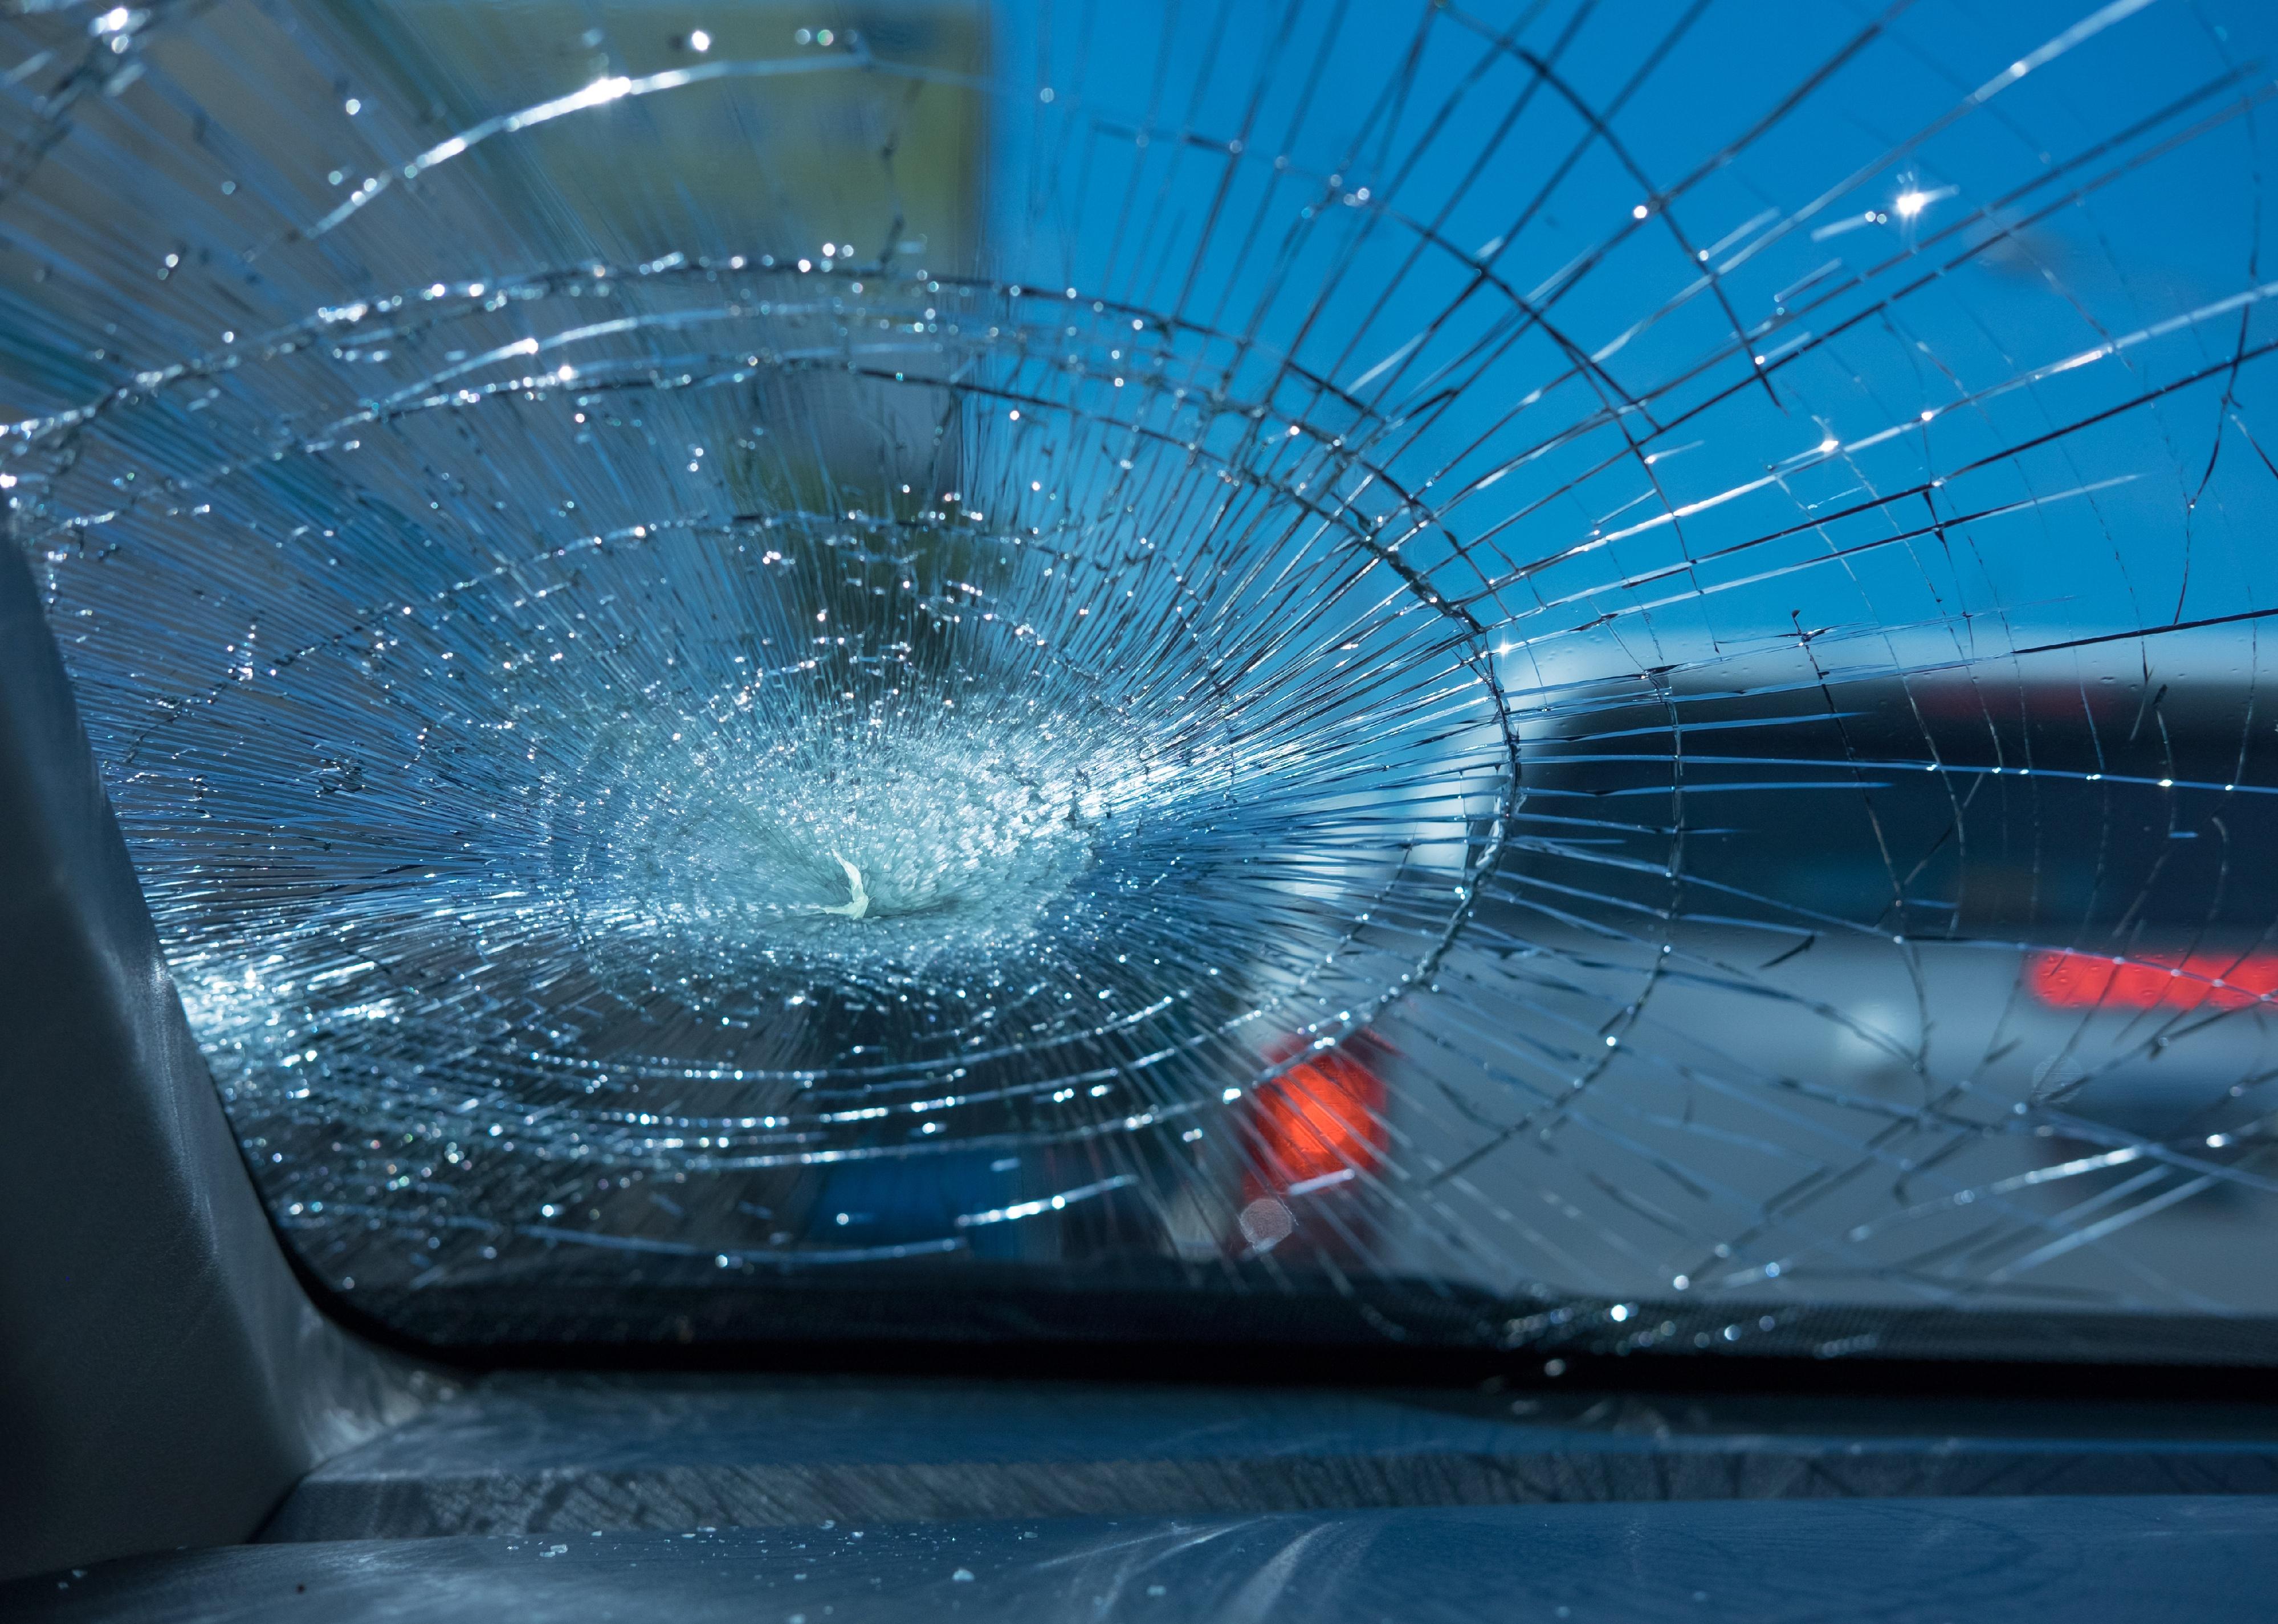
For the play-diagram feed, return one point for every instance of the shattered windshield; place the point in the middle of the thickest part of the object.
(1545, 675)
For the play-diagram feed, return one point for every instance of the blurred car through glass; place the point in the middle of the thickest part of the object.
(1502, 676)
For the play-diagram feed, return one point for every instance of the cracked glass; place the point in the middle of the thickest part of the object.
(1547, 675)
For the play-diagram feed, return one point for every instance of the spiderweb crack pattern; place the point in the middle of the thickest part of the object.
(1570, 677)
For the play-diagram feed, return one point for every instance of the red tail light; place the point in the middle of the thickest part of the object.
(1320, 1122)
(2152, 980)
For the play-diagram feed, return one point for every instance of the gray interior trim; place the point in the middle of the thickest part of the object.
(163, 1378)
(532, 1454)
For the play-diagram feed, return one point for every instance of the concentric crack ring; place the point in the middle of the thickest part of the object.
(773, 810)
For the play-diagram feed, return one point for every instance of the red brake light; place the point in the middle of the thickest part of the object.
(2152, 980)
(1320, 1121)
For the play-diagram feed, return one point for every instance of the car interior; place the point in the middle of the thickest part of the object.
(1036, 810)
